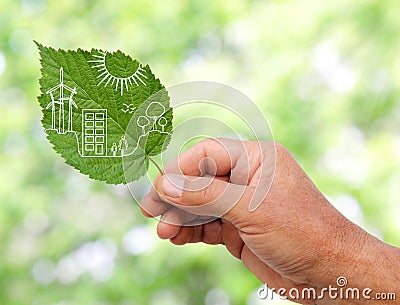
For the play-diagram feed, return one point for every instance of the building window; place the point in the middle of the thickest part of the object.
(94, 132)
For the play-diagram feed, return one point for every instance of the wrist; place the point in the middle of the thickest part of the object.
(366, 273)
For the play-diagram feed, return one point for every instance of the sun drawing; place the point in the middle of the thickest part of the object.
(117, 81)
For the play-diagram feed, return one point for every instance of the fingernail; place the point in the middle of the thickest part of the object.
(173, 185)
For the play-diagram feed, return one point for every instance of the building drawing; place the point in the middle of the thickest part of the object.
(94, 132)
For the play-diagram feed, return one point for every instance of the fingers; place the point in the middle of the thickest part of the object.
(209, 233)
(230, 160)
(212, 233)
(212, 156)
(174, 220)
(152, 205)
(170, 224)
(204, 196)
(232, 239)
(184, 236)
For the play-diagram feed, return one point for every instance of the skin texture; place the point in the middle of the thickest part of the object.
(293, 239)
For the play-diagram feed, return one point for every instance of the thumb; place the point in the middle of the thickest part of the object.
(206, 196)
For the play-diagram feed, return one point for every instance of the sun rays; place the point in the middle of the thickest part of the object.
(119, 83)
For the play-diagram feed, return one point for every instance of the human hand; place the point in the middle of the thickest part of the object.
(294, 238)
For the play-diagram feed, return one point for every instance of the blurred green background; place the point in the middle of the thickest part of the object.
(326, 74)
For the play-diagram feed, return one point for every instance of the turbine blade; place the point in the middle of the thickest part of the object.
(52, 89)
(69, 88)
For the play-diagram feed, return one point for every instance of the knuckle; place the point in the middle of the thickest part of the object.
(206, 142)
(281, 154)
(280, 148)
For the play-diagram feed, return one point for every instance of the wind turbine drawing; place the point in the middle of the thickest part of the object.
(61, 87)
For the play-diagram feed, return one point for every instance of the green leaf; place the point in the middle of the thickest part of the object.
(104, 112)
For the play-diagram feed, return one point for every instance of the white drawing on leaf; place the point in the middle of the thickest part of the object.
(94, 124)
(61, 87)
(114, 149)
(108, 78)
(123, 145)
(129, 108)
(162, 122)
(142, 122)
(155, 110)
(94, 133)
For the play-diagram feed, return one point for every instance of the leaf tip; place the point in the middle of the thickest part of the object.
(38, 45)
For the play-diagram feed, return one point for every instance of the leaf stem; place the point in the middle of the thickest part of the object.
(155, 163)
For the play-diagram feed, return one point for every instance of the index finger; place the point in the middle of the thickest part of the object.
(211, 156)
